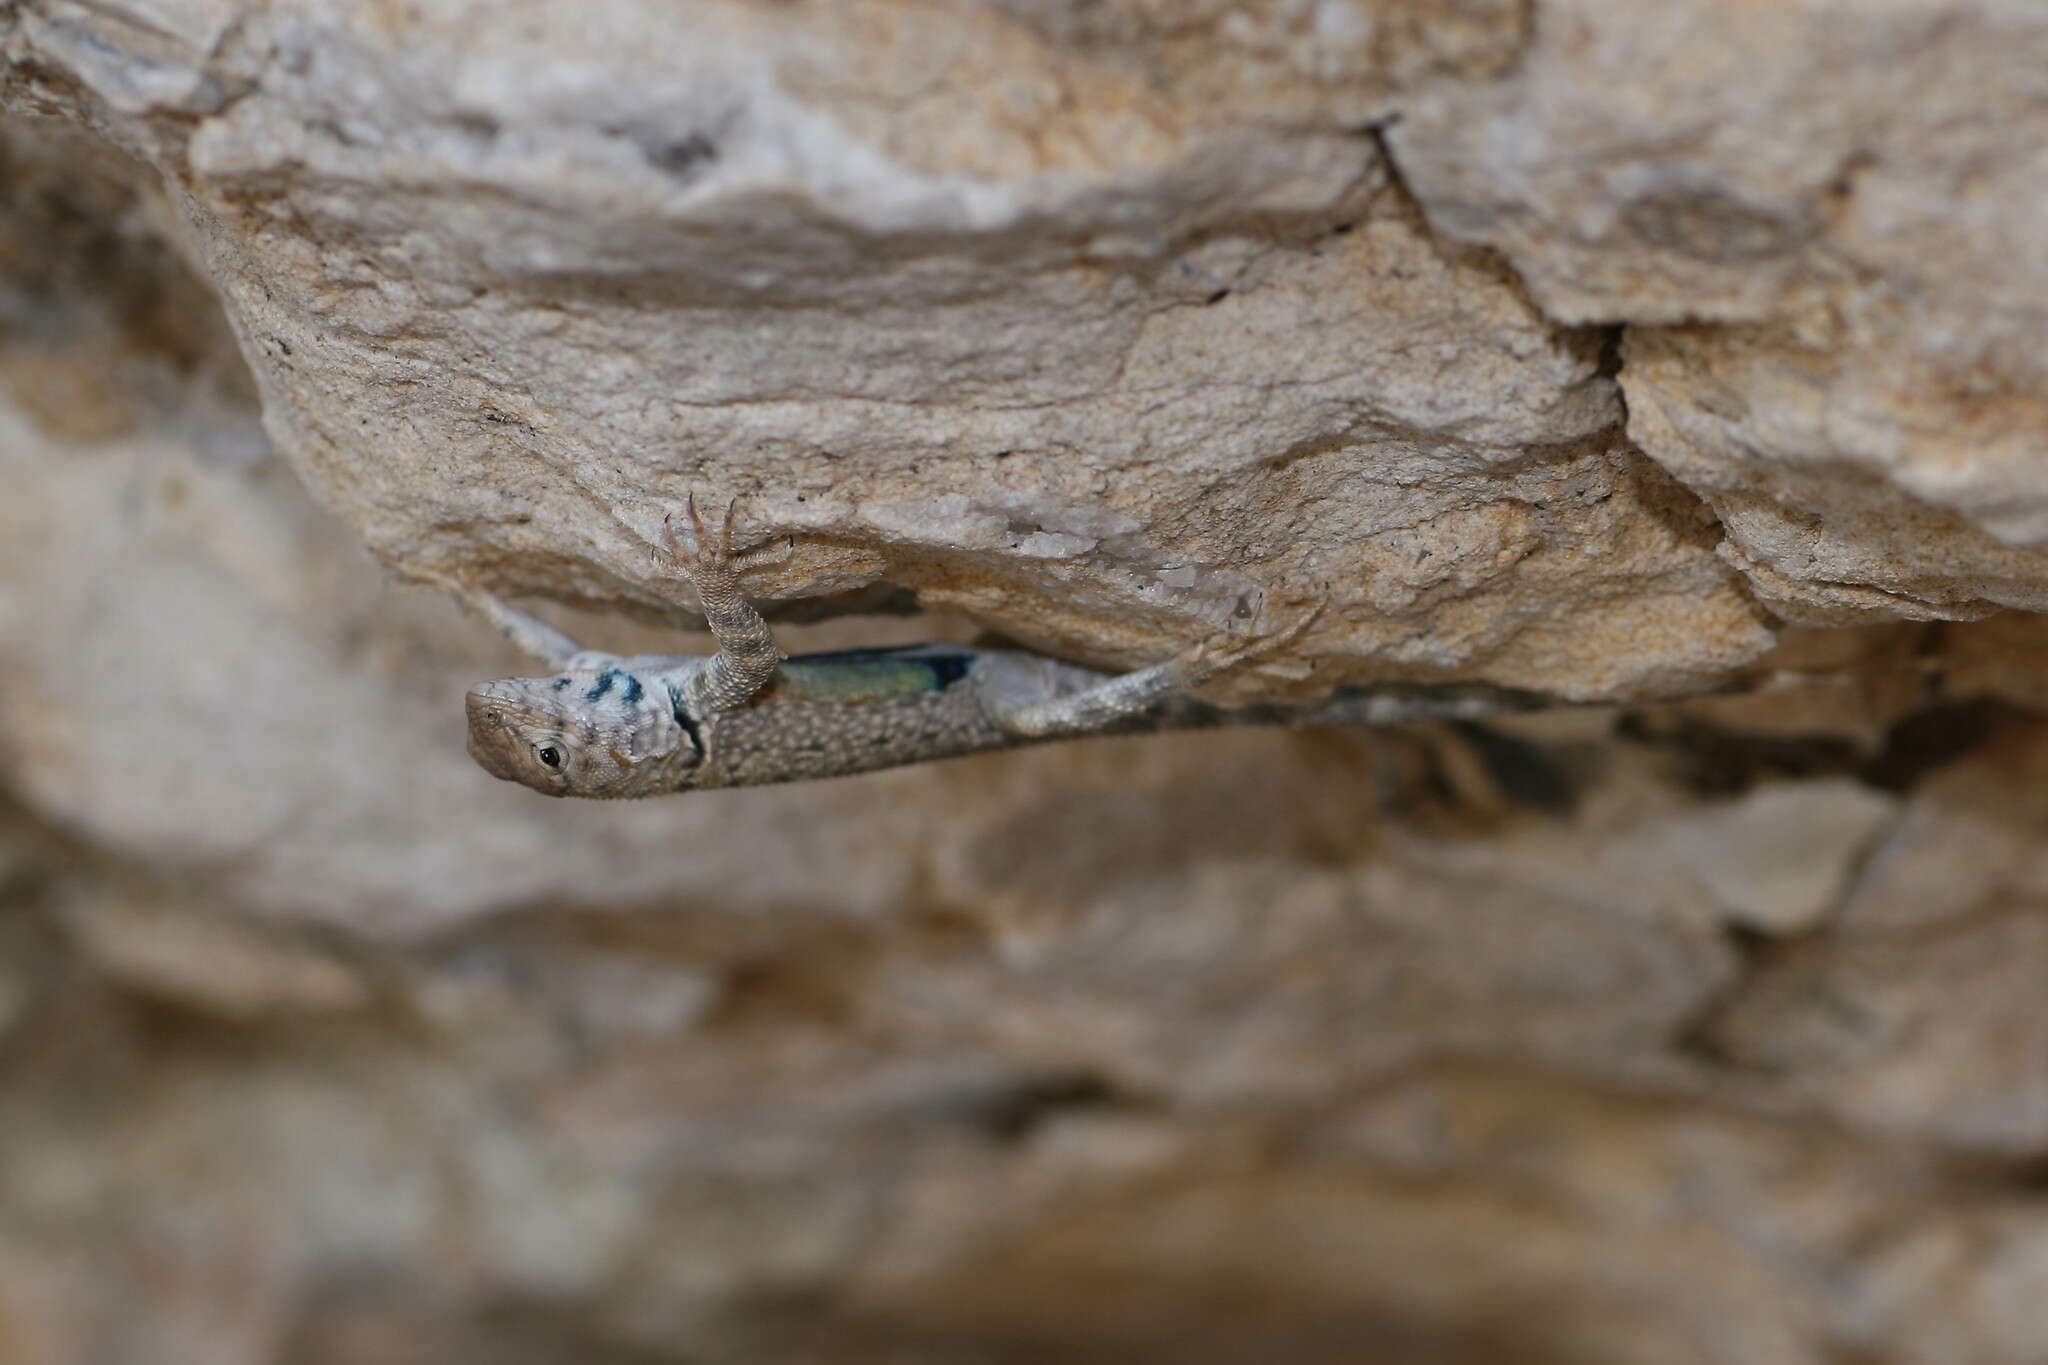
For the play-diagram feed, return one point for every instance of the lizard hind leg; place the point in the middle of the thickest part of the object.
(1129, 695)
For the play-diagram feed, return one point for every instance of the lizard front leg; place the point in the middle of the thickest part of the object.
(747, 654)
(532, 635)
(1132, 694)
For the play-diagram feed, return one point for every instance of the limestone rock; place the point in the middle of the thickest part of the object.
(1969, 837)
(1779, 860)
(1820, 225)
(1933, 1034)
(1571, 345)
(809, 262)
(809, 266)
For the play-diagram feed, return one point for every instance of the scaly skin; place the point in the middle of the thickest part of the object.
(606, 726)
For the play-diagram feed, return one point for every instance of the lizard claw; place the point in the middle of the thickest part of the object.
(701, 551)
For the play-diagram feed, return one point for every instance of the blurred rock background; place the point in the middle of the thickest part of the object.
(1632, 352)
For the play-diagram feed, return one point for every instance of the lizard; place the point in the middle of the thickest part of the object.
(604, 725)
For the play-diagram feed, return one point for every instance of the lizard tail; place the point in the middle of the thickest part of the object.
(1405, 703)
(1383, 704)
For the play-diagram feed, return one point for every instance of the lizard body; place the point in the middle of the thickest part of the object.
(611, 726)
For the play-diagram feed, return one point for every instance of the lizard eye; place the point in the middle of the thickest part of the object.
(549, 755)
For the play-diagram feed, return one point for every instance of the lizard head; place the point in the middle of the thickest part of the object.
(588, 732)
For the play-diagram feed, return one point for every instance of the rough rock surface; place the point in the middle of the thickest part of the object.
(1820, 223)
(1094, 360)
(1579, 346)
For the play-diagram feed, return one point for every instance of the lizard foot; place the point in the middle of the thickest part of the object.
(1245, 639)
(696, 552)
